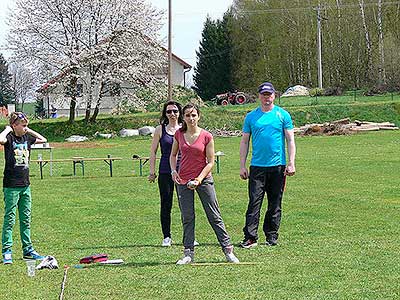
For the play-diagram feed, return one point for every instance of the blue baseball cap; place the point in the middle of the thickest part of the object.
(266, 87)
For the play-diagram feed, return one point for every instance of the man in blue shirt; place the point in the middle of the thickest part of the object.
(269, 127)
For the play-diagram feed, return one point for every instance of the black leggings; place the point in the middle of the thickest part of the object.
(166, 187)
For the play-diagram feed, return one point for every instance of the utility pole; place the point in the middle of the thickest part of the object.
(319, 46)
(169, 50)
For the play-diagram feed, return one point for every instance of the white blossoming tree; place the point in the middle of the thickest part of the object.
(22, 82)
(115, 40)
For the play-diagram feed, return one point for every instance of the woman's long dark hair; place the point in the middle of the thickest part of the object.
(188, 106)
(164, 118)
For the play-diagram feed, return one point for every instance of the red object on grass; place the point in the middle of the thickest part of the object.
(94, 258)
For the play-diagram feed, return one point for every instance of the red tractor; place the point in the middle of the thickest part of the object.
(238, 98)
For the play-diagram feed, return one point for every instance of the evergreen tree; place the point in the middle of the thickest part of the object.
(40, 111)
(213, 72)
(6, 94)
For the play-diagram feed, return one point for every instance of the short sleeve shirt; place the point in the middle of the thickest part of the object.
(267, 130)
(193, 157)
(16, 154)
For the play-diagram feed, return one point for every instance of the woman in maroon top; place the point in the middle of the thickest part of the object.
(196, 146)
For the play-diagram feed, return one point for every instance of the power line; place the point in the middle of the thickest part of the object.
(185, 13)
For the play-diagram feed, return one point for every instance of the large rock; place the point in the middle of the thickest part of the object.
(76, 138)
(146, 130)
(128, 132)
(297, 90)
(104, 135)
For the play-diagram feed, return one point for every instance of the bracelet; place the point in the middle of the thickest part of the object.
(173, 171)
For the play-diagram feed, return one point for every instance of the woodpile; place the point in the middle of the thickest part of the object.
(343, 126)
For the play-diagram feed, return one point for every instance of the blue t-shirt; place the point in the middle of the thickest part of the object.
(267, 136)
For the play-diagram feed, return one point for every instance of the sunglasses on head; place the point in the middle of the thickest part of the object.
(20, 116)
(170, 111)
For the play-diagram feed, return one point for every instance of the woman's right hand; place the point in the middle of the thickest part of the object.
(152, 177)
(175, 177)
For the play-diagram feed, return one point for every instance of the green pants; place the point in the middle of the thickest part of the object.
(13, 198)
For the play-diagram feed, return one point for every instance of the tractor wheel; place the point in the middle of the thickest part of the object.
(240, 99)
(224, 102)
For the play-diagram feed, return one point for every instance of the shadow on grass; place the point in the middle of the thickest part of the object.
(148, 264)
(200, 263)
(139, 246)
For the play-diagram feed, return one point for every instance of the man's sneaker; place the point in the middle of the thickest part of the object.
(33, 255)
(248, 243)
(7, 257)
(166, 242)
(230, 256)
(271, 242)
(188, 257)
(196, 243)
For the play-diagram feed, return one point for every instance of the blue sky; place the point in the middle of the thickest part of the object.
(188, 18)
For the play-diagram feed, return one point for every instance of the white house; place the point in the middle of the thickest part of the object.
(55, 95)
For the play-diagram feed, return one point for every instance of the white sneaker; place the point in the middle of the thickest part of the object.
(166, 242)
(229, 255)
(196, 243)
(184, 260)
(188, 257)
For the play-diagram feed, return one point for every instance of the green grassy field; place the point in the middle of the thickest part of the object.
(339, 234)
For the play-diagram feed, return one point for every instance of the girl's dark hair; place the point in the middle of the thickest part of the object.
(164, 118)
(190, 106)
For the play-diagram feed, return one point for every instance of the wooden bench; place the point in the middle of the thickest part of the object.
(77, 160)
(143, 160)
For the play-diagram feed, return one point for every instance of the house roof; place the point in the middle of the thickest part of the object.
(180, 60)
(65, 72)
(53, 80)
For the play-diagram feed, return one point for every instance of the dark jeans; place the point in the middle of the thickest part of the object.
(166, 188)
(263, 180)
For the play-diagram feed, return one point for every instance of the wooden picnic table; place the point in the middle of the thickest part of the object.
(77, 160)
(144, 159)
(46, 147)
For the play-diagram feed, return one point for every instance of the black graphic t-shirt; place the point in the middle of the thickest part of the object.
(16, 154)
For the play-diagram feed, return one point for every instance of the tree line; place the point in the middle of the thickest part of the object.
(277, 41)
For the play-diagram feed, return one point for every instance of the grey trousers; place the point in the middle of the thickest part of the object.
(206, 192)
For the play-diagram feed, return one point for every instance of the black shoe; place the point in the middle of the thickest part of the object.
(248, 243)
(271, 242)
